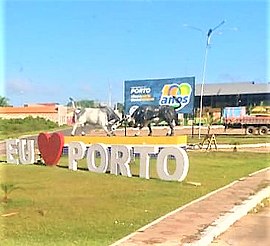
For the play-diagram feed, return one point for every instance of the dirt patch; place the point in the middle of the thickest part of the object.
(162, 131)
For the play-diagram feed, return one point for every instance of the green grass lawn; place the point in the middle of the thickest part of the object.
(233, 139)
(57, 206)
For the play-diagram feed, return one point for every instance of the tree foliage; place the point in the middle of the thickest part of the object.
(84, 104)
(4, 102)
(120, 107)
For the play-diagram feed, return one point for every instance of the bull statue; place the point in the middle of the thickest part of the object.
(144, 115)
(102, 116)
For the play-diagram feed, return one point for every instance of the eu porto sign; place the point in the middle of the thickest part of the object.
(114, 158)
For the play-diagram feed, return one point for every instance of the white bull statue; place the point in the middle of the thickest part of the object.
(103, 116)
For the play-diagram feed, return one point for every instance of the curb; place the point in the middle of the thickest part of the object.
(122, 240)
(224, 222)
(231, 146)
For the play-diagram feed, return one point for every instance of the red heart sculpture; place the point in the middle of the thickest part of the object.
(50, 147)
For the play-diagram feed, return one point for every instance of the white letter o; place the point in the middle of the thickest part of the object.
(103, 158)
(181, 160)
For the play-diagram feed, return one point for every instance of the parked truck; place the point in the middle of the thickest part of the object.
(256, 122)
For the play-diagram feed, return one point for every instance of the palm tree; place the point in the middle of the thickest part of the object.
(209, 138)
(4, 102)
(209, 121)
(7, 189)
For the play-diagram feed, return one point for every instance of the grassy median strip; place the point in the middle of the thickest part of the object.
(233, 139)
(56, 206)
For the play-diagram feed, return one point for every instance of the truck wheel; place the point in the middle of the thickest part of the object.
(250, 130)
(263, 130)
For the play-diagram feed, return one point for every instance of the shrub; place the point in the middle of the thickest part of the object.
(11, 127)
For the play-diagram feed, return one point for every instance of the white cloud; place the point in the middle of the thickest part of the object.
(19, 86)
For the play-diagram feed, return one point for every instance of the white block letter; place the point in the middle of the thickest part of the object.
(144, 152)
(11, 150)
(104, 160)
(27, 151)
(120, 158)
(76, 151)
(181, 160)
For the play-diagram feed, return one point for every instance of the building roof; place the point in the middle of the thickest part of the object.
(233, 88)
(28, 110)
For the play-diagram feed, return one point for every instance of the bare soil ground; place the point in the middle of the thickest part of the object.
(162, 130)
(180, 130)
(159, 131)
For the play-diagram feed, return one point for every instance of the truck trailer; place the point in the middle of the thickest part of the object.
(257, 122)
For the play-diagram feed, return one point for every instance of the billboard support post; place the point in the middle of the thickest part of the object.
(192, 127)
(125, 128)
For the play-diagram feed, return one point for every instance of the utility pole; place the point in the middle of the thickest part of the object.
(209, 35)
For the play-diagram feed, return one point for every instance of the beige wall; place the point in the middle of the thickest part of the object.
(49, 116)
(61, 116)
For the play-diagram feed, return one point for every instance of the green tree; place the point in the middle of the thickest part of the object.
(84, 104)
(4, 102)
(120, 107)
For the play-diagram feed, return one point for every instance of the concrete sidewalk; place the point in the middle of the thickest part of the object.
(200, 221)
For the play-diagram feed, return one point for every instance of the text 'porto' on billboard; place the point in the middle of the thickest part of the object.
(175, 92)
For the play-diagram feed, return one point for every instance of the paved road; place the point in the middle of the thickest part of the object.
(157, 131)
(253, 229)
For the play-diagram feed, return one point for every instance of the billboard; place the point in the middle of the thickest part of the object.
(176, 92)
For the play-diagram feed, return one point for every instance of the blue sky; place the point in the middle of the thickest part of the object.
(52, 50)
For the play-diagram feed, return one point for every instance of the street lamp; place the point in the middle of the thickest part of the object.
(209, 34)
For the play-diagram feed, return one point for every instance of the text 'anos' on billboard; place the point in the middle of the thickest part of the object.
(176, 92)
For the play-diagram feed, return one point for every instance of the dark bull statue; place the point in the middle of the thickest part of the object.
(146, 114)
